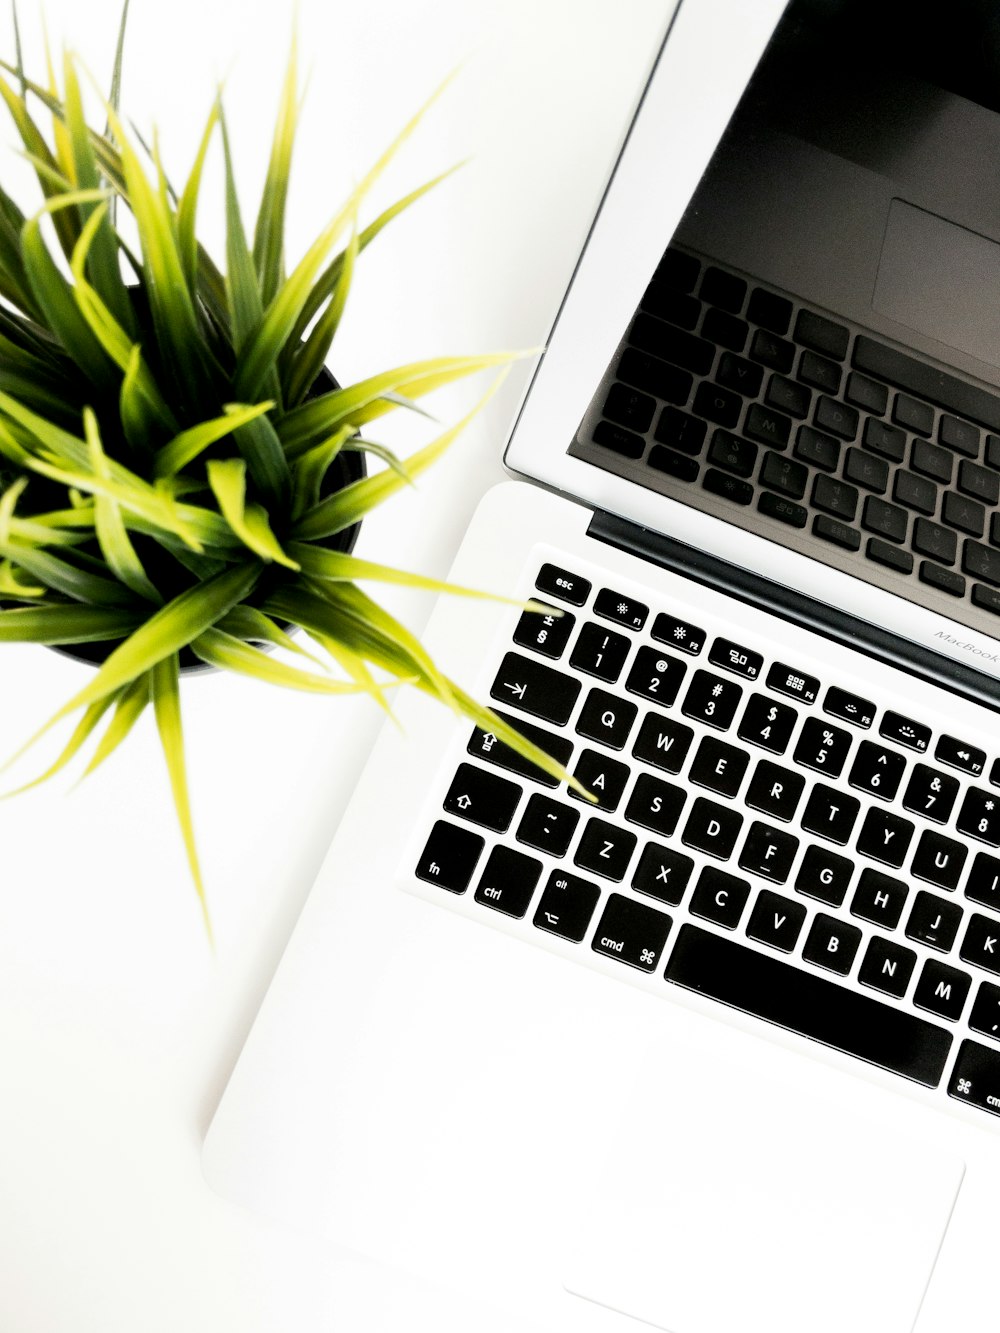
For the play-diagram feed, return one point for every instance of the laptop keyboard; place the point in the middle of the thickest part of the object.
(763, 835)
(744, 402)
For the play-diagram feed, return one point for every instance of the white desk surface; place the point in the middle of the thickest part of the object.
(118, 1027)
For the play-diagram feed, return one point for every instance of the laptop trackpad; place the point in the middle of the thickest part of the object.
(722, 1211)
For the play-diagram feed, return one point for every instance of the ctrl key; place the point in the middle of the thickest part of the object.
(976, 1077)
(631, 932)
(450, 857)
(566, 906)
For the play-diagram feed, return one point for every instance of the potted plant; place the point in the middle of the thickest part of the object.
(180, 477)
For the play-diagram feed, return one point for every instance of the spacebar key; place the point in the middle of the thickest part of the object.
(810, 1005)
(885, 363)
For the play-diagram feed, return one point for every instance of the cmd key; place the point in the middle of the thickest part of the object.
(536, 688)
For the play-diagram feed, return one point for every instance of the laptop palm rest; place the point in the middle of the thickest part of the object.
(718, 1217)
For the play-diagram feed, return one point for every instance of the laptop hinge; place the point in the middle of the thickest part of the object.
(796, 607)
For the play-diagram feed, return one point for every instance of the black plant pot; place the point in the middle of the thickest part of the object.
(347, 467)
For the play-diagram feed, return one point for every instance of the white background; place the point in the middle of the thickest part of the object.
(118, 1025)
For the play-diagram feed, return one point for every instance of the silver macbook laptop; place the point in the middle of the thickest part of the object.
(720, 1051)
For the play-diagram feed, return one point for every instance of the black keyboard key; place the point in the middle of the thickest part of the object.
(611, 605)
(631, 932)
(883, 554)
(934, 921)
(604, 778)
(821, 334)
(976, 1077)
(675, 307)
(548, 825)
(482, 798)
(712, 828)
(814, 1007)
(788, 397)
(655, 805)
(725, 329)
(772, 351)
(767, 724)
(886, 520)
(449, 857)
(945, 580)
(678, 270)
(654, 376)
(835, 497)
(718, 766)
(544, 632)
(717, 404)
(484, 745)
(656, 675)
(888, 442)
(982, 562)
(730, 488)
(942, 990)
(769, 311)
(930, 793)
(985, 1015)
(992, 456)
(730, 452)
(785, 511)
(822, 747)
(605, 849)
(831, 944)
(939, 860)
(866, 393)
(911, 415)
(817, 449)
(556, 582)
(628, 407)
(671, 344)
(930, 461)
(887, 966)
(836, 532)
(566, 906)
(864, 469)
(979, 482)
(767, 426)
(606, 718)
(962, 513)
(879, 899)
(720, 897)
(981, 945)
(885, 837)
(768, 852)
(877, 771)
(830, 813)
(535, 688)
(979, 816)
(915, 492)
(723, 289)
(775, 791)
(599, 652)
(673, 464)
(680, 634)
(931, 539)
(619, 440)
(965, 400)
(983, 884)
(793, 683)
(776, 921)
(735, 658)
(508, 881)
(819, 372)
(662, 873)
(712, 700)
(824, 875)
(849, 707)
(681, 432)
(783, 475)
(960, 436)
(987, 599)
(738, 374)
(904, 731)
(836, 417)
(662, 742)
(961, 755)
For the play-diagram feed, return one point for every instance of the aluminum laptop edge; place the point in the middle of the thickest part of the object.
(517, 1141)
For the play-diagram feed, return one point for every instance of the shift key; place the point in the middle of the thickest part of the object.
(535, 688)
